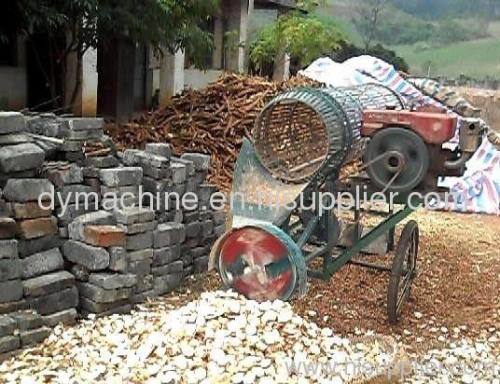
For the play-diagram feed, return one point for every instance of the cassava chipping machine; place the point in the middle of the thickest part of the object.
(283, 230)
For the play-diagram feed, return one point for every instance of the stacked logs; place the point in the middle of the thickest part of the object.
(212, 121)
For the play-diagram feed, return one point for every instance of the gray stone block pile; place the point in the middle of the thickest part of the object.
(167, 265)
(20, 156)
(33, 274)
(138, 225)
(80, 251)
(72, 198)
(119, 187)
(98, 259)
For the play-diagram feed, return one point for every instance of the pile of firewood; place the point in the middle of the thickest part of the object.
(212, 121)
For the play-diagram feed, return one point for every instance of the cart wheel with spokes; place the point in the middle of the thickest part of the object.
(404, 268)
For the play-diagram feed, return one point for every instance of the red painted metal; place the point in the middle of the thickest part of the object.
(258, 248)
(434, 128)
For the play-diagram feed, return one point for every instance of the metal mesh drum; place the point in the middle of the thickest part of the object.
(375, 96)
(301, 134)
(312, 132)
(354, 113)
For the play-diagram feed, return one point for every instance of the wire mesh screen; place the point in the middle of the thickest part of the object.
(375, 96)
(291, 139)
(307, 133)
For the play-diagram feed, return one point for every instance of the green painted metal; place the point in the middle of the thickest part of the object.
(337, 263)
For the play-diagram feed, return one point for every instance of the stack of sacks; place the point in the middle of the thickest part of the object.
(119, 187)
(97, 252)
(20, 157)
(138, 225)
(47, 288)
(71, 197)
(167, 267)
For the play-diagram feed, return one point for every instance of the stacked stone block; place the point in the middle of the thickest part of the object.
(157, 174)
(47, 287)
(94, 250)
(21, 329)
(167, 265)
(55, 261)
(71, 197)
(20, 157)
(138, 225)
(78, 133)
(11, 287)
(199, 223)
(119, 187)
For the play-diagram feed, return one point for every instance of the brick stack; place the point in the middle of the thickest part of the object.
(99, 263)
(167, 266)
(19, 328)
(11, 287)
(198, 222)
(157, 175)
(78, 134)
(201, 164)
(119, 187)
(67, 179)
(111, 258)
(47, 288)
(138, 225)
(86, 144)
(20, 157)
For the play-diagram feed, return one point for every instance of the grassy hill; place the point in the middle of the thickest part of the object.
(476, 58)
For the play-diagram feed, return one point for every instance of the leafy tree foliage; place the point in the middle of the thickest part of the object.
(74, 26)
(303, 37)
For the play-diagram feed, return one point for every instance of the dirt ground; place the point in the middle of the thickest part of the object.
(456, 293)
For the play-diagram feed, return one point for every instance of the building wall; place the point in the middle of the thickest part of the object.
(197, 79)
(13, 88)
(14, 81)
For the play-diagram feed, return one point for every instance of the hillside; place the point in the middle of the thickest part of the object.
(468, 43)
(477, 58)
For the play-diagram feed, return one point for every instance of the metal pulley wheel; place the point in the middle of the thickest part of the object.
(262, 264)
(403, 272)
(397, 159)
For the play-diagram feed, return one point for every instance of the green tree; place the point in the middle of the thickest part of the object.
(303, 36)
(74, 26)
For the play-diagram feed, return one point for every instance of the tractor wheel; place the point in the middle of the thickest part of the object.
(397, 159)
(404, 269)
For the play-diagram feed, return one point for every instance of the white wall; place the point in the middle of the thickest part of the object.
(196, 79)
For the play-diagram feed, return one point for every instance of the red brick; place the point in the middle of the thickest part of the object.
(105, 236)
(8, 228)
(33, 229)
